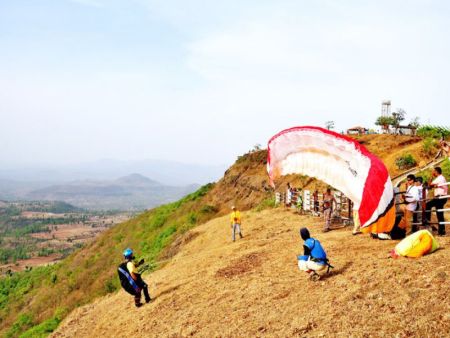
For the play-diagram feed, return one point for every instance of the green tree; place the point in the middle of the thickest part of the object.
(385, 122)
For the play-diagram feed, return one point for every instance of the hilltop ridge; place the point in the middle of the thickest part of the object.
(164, 232)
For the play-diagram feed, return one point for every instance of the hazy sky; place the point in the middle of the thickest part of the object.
(204, 81)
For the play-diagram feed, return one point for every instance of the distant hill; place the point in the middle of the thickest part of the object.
(131, 192)
(167, 172)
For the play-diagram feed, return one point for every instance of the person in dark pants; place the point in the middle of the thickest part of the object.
(417, 216)
(438, 202)
(316, 201)
(136, 276)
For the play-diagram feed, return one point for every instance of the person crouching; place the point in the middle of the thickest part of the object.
(314, 258)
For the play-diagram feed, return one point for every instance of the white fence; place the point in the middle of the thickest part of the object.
(304, 202)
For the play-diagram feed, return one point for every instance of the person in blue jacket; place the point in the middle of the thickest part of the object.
(314, 258)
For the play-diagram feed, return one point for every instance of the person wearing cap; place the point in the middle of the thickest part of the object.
(235, 219)
(314, 258)
(140, 285)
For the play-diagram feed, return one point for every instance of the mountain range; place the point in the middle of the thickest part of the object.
(131, 192)
(170, 173)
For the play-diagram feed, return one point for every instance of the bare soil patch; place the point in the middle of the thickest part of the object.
(241, 266)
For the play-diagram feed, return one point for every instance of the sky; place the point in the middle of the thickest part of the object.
(205, 81)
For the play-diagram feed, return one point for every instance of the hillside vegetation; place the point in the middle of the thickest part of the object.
(36, 301)
(253, 288)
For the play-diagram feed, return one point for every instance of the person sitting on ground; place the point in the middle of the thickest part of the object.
(440, 190)
(411, 197)
(328, 199)
(314, 258)
(235, 223)
(131, 279)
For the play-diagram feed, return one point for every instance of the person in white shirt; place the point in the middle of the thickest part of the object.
(418, 217)
(411, 197)
(440, 190)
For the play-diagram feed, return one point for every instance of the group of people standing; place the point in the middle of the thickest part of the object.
(415, 198)
(294, 197)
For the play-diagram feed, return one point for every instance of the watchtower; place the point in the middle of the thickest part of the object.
(386, 108)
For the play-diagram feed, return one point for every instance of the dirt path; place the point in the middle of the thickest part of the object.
(253, 288)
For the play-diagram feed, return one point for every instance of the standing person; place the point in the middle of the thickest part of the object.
(300, 201)
(316, 201)
(235, 223)
(438, 202)
(328, 199)
(131, 279)
(411, 197)
(417, 216)
(288, 195)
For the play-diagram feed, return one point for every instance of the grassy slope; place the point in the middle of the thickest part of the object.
(253, 288)
(49, 293)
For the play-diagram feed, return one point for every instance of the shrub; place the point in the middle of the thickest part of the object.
(429, 145)
(433, 131)
(110, 286)
(266, 204)
(192, 218)
(445, 166)
(207, 209)
(23, 322)
(405, 162)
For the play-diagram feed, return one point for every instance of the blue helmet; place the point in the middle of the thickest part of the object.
(128, 253)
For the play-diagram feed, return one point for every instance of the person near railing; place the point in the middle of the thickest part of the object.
(328, 200)
(316, 201)
(288, 200)
(440, 190)
(299, 201)
(417, 216)
(411, 197)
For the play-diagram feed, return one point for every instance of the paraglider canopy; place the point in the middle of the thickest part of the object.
(340, 162)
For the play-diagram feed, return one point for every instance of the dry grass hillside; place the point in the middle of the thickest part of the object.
(192, 232)
(253, 288)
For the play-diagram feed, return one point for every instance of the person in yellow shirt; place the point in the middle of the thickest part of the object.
(235, 223)
(132, 277)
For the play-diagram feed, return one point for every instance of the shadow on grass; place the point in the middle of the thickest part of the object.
(337, 271)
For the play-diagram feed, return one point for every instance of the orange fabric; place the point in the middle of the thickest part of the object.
(383, 224)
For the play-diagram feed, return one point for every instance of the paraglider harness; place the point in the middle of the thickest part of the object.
(127, 282)
(321, 260)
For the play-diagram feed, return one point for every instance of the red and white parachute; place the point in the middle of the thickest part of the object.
(340, 162)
